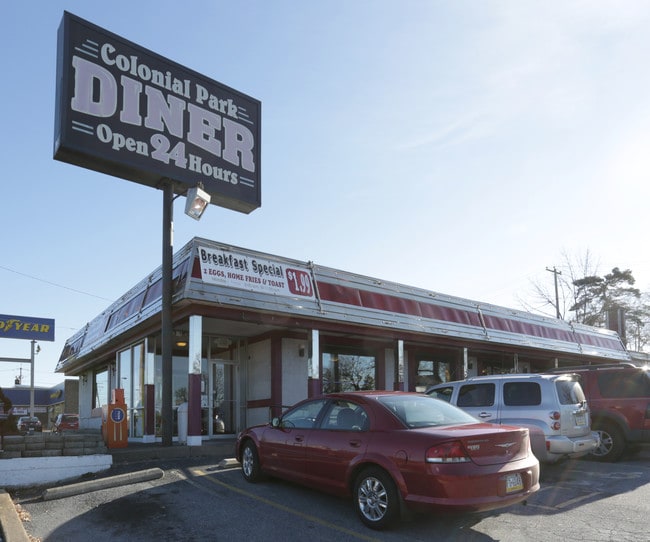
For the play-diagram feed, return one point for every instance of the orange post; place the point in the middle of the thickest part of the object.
(115, 425)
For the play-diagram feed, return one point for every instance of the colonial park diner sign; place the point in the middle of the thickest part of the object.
(126, 111)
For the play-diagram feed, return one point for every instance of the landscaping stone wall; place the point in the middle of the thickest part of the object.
(52, 445)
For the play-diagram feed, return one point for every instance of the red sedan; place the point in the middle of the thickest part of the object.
(392, 448)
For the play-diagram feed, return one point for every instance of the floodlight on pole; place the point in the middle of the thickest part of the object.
(197, 201)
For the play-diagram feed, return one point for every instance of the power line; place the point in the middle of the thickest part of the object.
(53, 283)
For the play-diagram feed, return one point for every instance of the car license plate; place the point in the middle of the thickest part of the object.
(514, 483)
(581, 419)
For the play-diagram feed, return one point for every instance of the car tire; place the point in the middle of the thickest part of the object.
(376, 498)
(250, 463)
(612, 443)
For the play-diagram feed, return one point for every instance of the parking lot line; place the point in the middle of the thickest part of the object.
(560, 505)
(308, 517)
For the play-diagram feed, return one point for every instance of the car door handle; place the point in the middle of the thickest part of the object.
(299, 438)
(355, 443)
(485, 415)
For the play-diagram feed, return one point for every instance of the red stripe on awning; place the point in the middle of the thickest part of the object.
(389, 303)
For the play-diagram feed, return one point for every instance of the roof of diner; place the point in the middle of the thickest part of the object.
(208, 272)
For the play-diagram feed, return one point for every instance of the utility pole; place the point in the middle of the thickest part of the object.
(557, 298)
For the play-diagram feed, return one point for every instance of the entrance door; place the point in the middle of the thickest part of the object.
(223, 404)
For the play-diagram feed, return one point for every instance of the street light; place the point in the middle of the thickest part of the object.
(197, 201)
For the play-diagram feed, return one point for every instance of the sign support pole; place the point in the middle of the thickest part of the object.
(31, 380)
(29, 360)
(167, 328)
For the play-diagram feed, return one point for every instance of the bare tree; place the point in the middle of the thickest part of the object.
(570, 270)
(586, 297)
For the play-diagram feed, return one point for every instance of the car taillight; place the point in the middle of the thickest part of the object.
(448, 452)
(555, 415)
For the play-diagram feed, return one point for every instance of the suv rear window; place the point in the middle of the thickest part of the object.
(522, 394)
(570, 392)
(623, 384)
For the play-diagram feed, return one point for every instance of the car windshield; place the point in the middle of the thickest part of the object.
(423, 411)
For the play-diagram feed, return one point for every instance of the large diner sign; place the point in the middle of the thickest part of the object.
(126, 111)
(26, 327)
(256, 274)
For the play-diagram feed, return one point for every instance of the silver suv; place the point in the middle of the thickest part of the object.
(552, 407)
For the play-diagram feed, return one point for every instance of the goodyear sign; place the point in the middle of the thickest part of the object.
(26, 327)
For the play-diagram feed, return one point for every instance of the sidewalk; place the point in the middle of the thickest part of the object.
(216, 448)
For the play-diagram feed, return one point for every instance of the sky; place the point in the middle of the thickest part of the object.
(458, 146)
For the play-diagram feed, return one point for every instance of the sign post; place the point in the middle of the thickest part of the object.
(31, 374)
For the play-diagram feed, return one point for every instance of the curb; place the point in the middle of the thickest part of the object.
(11, 527)
(103, 483)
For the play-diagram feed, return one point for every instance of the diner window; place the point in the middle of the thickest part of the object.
(430, 373)
(124, 374)
(131, 378)
(348, 372)
(101, 389)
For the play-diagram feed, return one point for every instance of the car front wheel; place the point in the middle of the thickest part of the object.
(250, 463)
(376, 498)
(612, 443)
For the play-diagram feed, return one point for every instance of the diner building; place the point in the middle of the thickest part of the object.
(255, 332)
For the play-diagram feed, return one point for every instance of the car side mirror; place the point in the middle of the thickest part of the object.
(276, 422)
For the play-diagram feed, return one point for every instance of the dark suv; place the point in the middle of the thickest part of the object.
(619, 399)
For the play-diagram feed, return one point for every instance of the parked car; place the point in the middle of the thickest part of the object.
(552, 407)
(66, 422)
(388, 449)
(28, 424)
(619, 400)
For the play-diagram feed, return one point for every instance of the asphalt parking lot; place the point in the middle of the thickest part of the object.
(204, 498)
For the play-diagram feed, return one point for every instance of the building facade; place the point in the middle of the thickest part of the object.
(48, 402)
(254, 332)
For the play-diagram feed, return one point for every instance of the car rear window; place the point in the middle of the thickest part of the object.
(570, 392)
(424, 411)
(522, 394)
